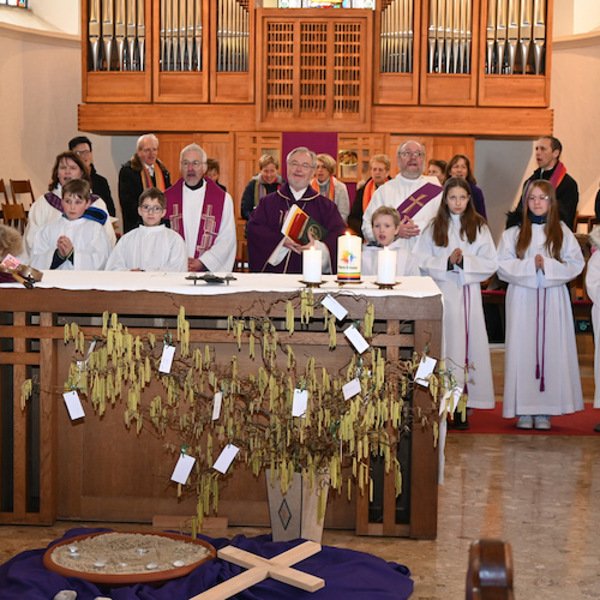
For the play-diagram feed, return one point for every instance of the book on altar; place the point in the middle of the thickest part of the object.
(297, 224)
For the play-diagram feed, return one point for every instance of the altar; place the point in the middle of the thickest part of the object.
(95, 469)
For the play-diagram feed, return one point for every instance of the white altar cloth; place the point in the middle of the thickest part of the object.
(176, 283)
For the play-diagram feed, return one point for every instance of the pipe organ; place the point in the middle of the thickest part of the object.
(236, 72)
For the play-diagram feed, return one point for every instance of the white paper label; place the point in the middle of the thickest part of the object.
(334, 307)
(183, 468)
(300, 402)
(167, 359)
(225, 458)
(217, 406)
(351, 389)
(74, 406)
(425, 369)
(357, 340)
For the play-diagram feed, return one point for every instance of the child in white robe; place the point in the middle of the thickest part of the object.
(386, 225)
(457, 250)
(152, 246)
(537, 259)
(592, 284)
(77, 240)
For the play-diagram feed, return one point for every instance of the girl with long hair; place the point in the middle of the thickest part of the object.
(537, 258)
(457, 250)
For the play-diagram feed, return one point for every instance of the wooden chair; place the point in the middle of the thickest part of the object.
(14, 216)
(490, 574)
(3, 194)
(22, 186)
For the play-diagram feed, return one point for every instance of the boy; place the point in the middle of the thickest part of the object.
(151, 246)
(77, 241)
(386, 226)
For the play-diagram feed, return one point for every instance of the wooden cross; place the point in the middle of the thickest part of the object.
(260, 568)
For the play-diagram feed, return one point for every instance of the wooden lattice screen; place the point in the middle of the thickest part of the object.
(313, 67)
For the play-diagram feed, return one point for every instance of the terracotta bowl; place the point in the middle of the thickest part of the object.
(133, 578)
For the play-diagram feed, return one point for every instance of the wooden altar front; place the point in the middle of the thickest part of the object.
(96, 469)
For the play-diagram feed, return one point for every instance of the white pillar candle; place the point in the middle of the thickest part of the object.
(349, 248)
(386, 266)
(311, 265)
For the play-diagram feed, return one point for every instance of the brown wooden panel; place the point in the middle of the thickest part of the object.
(514, 90)
(181, 87)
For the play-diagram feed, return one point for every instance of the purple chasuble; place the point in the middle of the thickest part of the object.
(210, 220)
(55, 201)
(264, 228)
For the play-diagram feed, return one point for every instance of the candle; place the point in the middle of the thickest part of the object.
(311, 265)
(349, 249)
(386, 266)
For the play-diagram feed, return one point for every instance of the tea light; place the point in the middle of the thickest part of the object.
(311, 265)
(386, 266)
(151, 566)
(349, 248)
(178, 563)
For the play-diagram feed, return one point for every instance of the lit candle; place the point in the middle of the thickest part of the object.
(386, 266)
(311, 265)
(349, 249)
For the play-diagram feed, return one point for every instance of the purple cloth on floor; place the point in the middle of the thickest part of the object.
(348, 575)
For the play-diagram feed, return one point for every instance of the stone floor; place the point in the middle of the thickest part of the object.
(540, 493)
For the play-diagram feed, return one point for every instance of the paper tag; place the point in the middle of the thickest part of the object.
(90, 350)
(450, 400)
(425, 369)
(167, 359)
(183, 468)
(456, 394)
(217, 406)
(225, 458)
(74, 406)
(351, 389)
(300, 402)
(334, 307)
(10, 262)
(357, 340)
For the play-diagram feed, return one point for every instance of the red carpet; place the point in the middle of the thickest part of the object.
(491, 421)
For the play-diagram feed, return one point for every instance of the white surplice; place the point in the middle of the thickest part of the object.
(42, 212)
(540, 334)
(464, 332)
(406, 262)
(592, 284)
(150, 249)
(90, 244)
(393, 193)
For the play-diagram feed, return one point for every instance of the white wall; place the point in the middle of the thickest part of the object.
(62, 14)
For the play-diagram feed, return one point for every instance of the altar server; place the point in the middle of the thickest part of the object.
(537, 259)
(151, 246)
(592, 283)
(456, 249)
(386, 227)
(77, 240)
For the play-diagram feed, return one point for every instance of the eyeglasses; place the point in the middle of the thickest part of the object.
(532, 198)
(83, 152)
(193, 163)
(295, 164)
(151, 209)
(408, 154)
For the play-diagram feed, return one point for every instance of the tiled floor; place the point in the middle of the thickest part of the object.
(540, 493)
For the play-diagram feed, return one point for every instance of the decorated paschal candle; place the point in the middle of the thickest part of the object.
(349, 248)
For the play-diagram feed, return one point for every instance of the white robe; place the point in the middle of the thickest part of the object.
(592, 284)
(461, 290)
(220, 257)
(406, 263)
(393, 193)
(150, 249)
(557, 357)
(42, 212)
(90, 243)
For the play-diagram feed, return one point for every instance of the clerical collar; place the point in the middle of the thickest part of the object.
(537, 220)
(543, 171)
(298, 193)
(195, 187)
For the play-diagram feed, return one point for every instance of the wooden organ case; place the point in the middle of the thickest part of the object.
(234, 75)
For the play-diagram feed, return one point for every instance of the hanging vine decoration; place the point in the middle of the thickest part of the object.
(256, 410)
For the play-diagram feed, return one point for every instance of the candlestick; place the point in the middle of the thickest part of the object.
(349, 249)
(386, 266)
(311, 265)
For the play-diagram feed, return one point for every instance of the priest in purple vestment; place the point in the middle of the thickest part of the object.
(268, 249)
